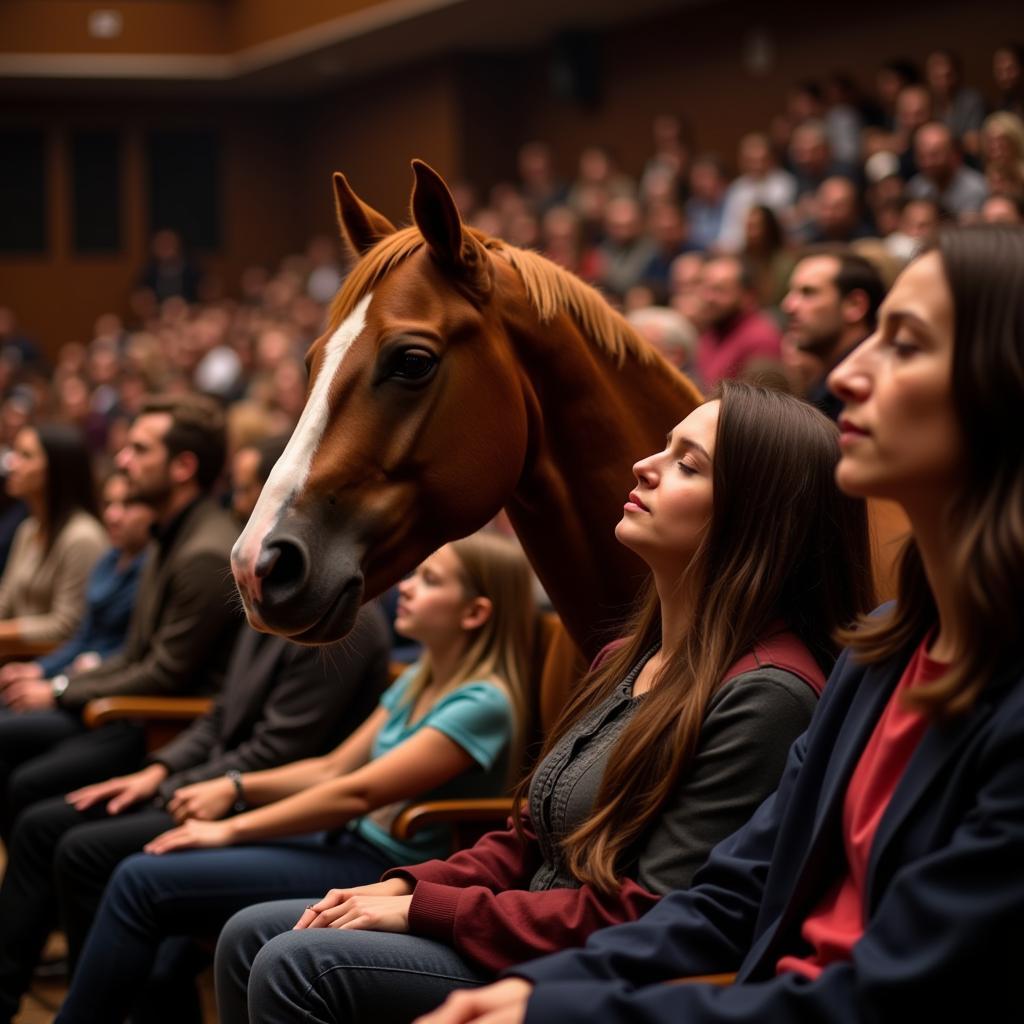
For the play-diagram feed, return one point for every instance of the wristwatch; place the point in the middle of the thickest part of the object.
(236, 780)
(58, 684)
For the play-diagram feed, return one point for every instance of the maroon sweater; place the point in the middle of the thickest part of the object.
(478, 900)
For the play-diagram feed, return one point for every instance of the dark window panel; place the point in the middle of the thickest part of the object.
(184, 186)
(96, 191)
(23, 191)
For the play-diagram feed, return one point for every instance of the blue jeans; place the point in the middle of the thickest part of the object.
(192, 893)
(267, 973)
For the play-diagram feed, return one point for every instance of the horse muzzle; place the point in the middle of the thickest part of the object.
(304, 591)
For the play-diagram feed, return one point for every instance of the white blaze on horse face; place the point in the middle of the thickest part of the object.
(291, 470)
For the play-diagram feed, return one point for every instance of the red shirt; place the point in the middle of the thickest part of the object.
(838, 921)
(726, 354)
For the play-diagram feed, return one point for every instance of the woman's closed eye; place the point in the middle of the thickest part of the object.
(904, 347)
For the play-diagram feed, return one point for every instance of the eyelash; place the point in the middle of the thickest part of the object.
(903, 348)
(688, 470)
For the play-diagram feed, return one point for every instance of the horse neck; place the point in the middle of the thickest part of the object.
(590, 421)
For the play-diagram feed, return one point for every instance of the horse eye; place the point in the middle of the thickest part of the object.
(413, 364)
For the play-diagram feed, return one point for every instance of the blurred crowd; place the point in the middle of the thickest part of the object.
(688, 247)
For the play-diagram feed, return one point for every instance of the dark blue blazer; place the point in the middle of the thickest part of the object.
(944, 900)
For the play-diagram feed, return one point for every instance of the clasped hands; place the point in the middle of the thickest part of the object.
(384, 907)
(23, 687)
(381, 907)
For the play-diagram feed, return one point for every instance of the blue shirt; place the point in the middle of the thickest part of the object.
(478, 717)
(109, 600)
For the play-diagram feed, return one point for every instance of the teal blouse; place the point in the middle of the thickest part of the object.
(478, 716)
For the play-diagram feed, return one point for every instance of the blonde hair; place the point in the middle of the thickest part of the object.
(1004, 122)
(500, 650)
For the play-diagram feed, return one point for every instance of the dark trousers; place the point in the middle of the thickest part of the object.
(59, 861)
(193, 893)
(50, 753)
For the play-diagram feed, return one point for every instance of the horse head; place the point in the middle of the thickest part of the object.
(415, 427)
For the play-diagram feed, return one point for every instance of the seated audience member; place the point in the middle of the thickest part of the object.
(919, 222)
(810, 157)
(882, 880)
(42, 590)
(109, 594)
(891, 79)
(737, 332)
(668, 331)
(671, 741)
(703, 209)
(844, 118)
(837, 213)
(960, 108)
(280, 701)
(942, 174)
(626, 252)
(761, 183)
(169, 272)
(1003, 210)
(766, 253)
(449, 727)
(181, 629)
(831, 307)
(1002, 146)
(667, 229)
(685, 289)
(1008, 73)
(913, 111)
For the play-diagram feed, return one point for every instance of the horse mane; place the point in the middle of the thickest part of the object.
(550, 289)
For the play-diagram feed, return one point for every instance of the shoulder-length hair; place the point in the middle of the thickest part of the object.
(984, 268)
(501, 649)
(783, 545)
(70, 486)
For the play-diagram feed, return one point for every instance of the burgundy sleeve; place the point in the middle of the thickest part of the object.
(495, 930)
(498, 860)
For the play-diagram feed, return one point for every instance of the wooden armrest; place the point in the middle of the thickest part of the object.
(448, 812)
(154, 709)
(705, 979)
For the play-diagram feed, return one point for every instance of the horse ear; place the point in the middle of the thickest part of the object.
(361, 225)
(437, 217)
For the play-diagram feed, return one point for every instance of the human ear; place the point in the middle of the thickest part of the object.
(477, 613)
(183, 467)
(855, 306)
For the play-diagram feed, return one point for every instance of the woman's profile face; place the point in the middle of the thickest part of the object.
(899, 434)
(668, 511)
(26, 466)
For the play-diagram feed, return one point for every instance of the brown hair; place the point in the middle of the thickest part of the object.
(984, 267)
(782, 544)
(197, 426)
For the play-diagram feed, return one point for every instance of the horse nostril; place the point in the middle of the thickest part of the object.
(282, 567)
(266, 562)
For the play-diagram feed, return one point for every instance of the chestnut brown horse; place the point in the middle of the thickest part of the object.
(458, 376)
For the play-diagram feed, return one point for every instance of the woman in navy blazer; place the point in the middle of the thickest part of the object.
(907, 791)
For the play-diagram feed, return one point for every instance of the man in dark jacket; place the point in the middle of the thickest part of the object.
(182, 628)
(280, 702)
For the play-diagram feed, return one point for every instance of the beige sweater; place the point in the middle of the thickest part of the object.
(47, 594)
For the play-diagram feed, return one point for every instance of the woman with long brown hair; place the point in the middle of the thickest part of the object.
(883, 879)
(668, 745)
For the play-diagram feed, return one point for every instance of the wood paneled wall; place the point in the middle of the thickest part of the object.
(466, 115)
